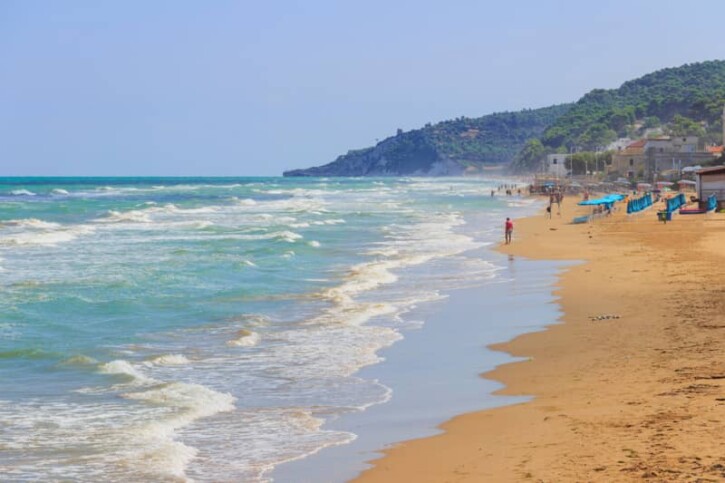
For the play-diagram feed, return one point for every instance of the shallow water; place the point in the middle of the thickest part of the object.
(208, 328)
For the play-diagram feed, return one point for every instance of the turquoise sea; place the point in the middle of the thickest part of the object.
(210, 329)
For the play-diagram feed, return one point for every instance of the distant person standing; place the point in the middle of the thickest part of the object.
(559, 197)
(509, 230)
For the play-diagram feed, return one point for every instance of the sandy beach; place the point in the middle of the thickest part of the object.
(640, 394)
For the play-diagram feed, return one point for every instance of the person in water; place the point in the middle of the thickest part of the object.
(509, 230)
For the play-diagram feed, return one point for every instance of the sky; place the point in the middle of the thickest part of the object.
(242, 88)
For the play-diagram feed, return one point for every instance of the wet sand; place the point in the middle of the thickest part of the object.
(638, 395)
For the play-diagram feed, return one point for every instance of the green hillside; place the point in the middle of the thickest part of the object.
(495, 138)
(681, 100)
(448, 147)
(694, 91)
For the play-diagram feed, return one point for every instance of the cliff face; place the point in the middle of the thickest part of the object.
(445, 149)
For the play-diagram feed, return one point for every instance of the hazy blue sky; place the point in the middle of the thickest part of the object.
(252, 88)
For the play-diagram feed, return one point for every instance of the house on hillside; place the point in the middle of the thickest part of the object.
(649, 158)
(630, 160)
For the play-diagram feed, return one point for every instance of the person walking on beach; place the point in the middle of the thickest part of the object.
(509, 230)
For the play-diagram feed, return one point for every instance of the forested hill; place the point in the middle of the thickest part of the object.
(446, 148)
(695, 91)
(680, 100)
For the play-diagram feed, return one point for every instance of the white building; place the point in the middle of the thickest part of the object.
(555, 165)
(671, 145)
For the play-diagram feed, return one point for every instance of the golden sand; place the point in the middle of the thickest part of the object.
(616, 399)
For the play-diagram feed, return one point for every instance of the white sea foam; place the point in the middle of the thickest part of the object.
(384, 252)
(32, 231)
(245, 338)
(288, 236)
(133, 216)
(169, 360)
(304, 362)
(128, 442)
(200, 401)
(59, 191)
(31, 223)
(124, 368)
(285, 235)
(37, 238)
(361, 278)
(172, 208)
(314, 243)
(22, 192)
(153, 444)
(190, 402)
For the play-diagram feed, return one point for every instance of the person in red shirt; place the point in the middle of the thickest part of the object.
(509, 230)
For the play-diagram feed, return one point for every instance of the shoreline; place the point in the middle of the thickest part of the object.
(614, 399)
(422, 359)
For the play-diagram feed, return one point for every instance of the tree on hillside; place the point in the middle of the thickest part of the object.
(696, 91)
(596, 135)
(651, 122)
(683, 126)
(620, 119)
(531, 156)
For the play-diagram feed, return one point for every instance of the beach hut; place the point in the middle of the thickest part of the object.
(711, 181)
